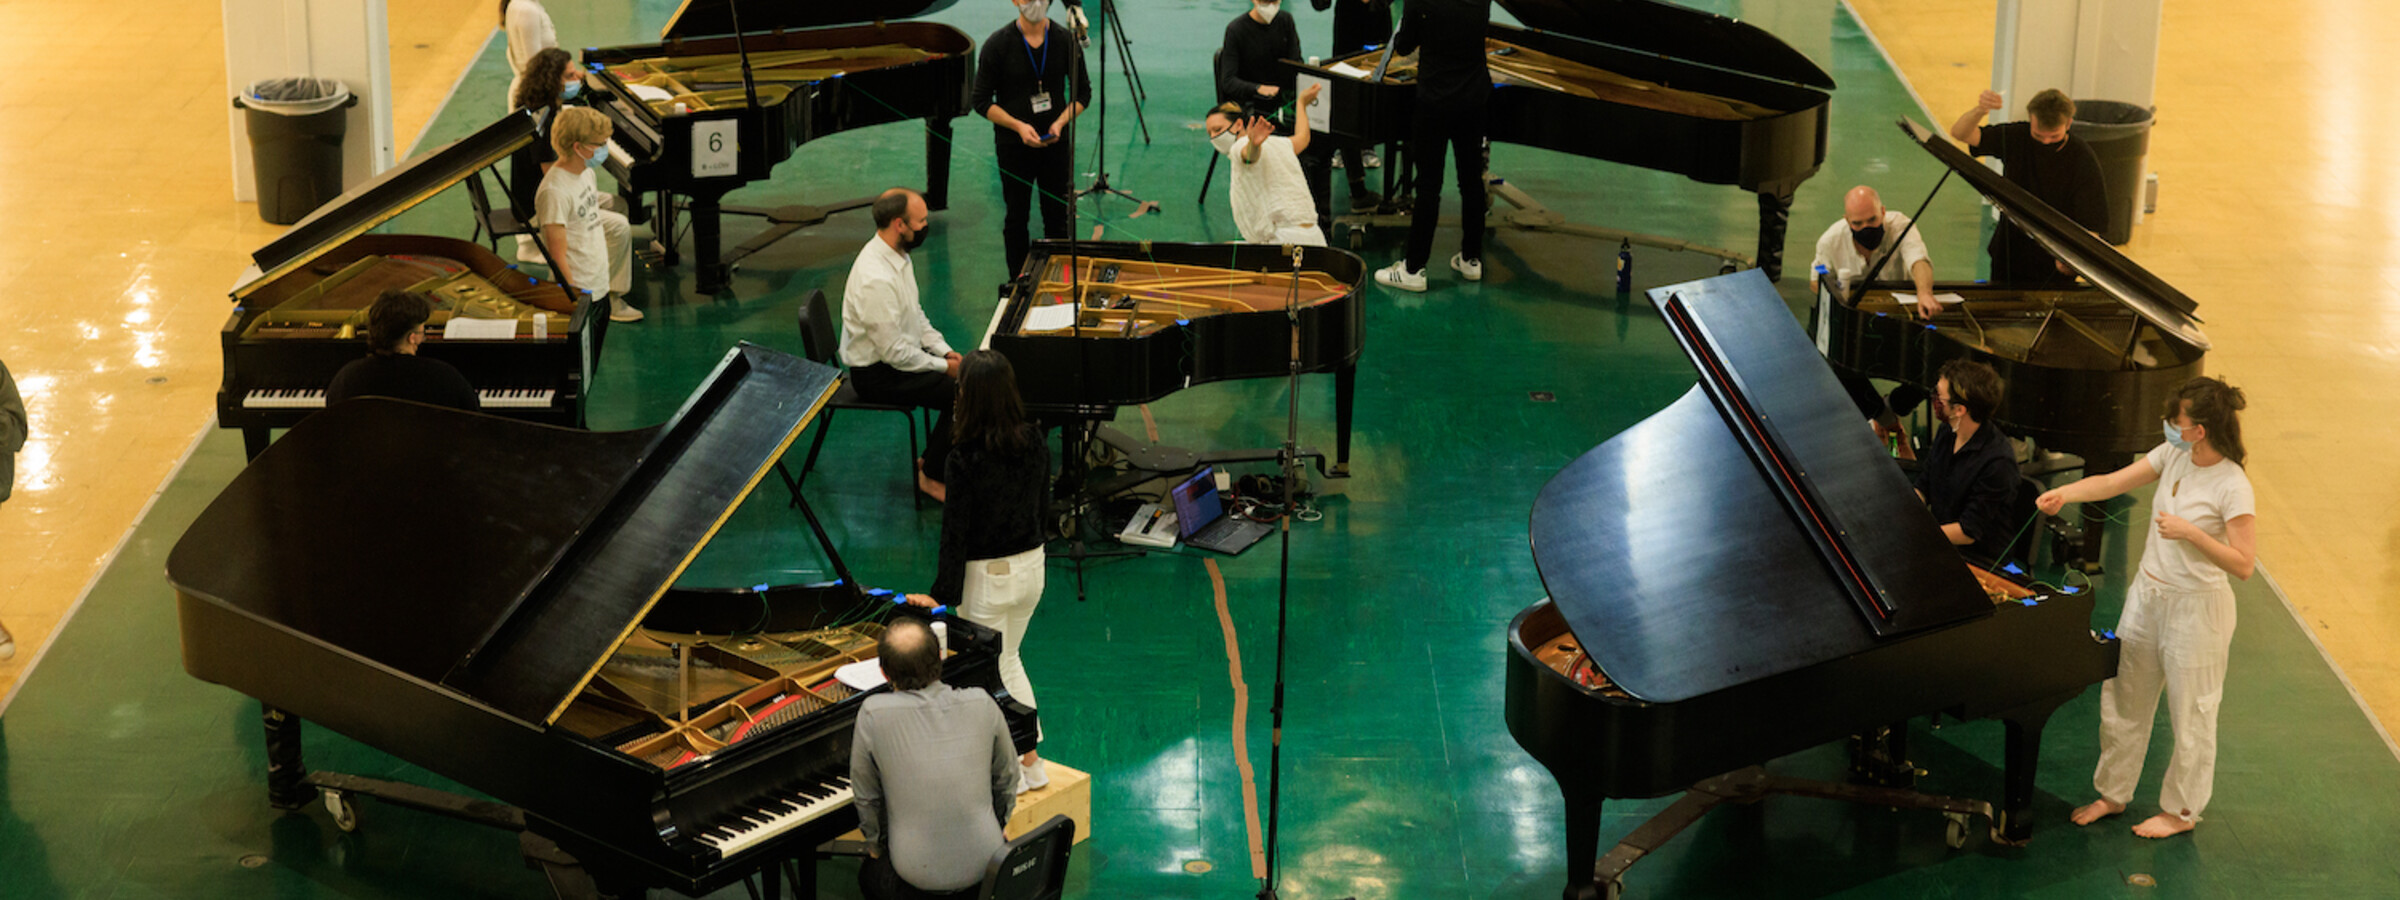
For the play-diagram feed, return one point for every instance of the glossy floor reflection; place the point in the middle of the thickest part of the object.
(121, 776)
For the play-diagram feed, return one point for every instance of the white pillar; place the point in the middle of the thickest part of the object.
(2091, 49)
(339, 39)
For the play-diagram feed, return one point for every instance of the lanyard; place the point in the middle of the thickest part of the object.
(1040, 69)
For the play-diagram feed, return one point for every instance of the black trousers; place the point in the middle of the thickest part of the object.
(1458, 133)
(1356, 26)
(879, 881)
(1023, 169)
(936, 391)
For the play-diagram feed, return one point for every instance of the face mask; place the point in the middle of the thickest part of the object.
(1035, 11)
(1223, 141)
(599, 154)
(916, 240)
(2175, 437)
(570, 89)
(1267, 10)
(1870, 238)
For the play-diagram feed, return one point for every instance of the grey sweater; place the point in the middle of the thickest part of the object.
(935, 777)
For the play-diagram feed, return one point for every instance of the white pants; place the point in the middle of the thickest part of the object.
(1000, 594)
(1301, 235)
(620, 252)
(2177, 641)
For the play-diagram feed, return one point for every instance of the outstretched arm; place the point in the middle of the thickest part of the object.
(1969, 127)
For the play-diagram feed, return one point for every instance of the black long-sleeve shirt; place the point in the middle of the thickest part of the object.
(1974, 485)
(992, 507)
(406, 376)
(1008, 73)
(1253, 59)
(1452, 71)
(1357, 24)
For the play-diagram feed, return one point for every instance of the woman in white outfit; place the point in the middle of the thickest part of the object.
(1271, 200)
(2178, 621)
(998, 476)
(529, 32)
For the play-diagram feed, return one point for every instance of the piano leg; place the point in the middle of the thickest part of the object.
(937, 163)
(1583, 841)
(1345, 387)
(1774, 218)
(709, 270)
(665, 229)
(254, 441)
(287, 774)
(2014, 826)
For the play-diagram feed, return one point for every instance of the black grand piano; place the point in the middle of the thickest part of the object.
(2088, 367)
(299, 310)
(1639, 82)
(735, 87)
(463, 592)
(1155, 318)
(1746, 574)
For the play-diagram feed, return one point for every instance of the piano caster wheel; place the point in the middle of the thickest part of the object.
(1358, 238)
(1613, 890)
(344, 810)
(1956, 834)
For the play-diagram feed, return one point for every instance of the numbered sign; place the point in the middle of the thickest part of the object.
(714, 146)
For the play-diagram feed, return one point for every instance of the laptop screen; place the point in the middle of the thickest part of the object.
(1196, 503)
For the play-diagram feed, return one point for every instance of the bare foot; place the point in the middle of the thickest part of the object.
(2095, 811)
(2163, 825)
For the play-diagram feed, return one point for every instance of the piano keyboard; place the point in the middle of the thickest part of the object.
(492, 398)
(811, 800)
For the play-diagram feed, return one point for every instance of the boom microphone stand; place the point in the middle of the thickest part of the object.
(1116, 35)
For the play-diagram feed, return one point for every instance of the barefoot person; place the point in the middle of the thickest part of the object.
(2178, 620)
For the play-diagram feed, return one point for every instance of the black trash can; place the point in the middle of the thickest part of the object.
(2119, 134)
(296, 127)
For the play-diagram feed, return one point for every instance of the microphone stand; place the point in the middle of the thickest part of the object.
(1116, 35)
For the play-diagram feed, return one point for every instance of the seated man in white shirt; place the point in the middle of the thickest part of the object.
(1868, 233)
(1271, 199)
(894, 354)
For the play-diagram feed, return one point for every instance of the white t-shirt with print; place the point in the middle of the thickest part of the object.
(573, 200)
(2207, 497)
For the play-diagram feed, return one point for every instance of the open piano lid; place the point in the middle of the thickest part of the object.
(713, 18)
(2154, 300)
(1752, 528)
(385, 196)
(500, 559)
(1679, 32)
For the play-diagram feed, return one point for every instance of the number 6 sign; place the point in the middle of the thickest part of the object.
(714, 145)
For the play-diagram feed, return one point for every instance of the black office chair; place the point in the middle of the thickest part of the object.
(1032, 867)
(496, 222)
(818, 342)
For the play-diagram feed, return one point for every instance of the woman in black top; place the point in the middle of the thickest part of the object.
(1022, 84)
(991, 564)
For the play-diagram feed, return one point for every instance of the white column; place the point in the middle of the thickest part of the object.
(340, 39)
(2091, 49)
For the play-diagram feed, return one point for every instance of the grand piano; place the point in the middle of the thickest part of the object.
(300, 309)
(1746, 574)
(480, 597)
(2088, 367)
(1639, 82)
(734, 87)
(1155, 318)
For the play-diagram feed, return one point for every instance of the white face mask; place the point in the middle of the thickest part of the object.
(1267, 10)
(1224, 141)
(1035, 11)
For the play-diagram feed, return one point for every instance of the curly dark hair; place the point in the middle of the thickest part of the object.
(543, 74)
(2216, 406)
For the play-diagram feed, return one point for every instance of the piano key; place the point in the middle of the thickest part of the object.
(753, 828)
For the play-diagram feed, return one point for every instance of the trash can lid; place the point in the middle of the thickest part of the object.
(2110, 112)
(295, 96)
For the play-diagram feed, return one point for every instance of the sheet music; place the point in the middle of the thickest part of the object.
(1055, 317)
(462, 328)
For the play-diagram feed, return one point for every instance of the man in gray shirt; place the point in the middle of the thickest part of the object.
(934, 773)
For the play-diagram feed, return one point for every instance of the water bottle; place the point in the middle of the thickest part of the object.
(1625, 267)
(541, 326)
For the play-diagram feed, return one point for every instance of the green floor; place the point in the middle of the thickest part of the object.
(122, 777)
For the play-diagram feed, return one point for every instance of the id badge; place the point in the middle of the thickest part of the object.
(1041, 102)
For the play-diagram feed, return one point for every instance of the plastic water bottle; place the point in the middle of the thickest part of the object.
(541, 326)
(1625, 267)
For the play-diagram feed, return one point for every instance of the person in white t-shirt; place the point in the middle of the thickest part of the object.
(592, 247)
(2178, 621)
(1866, 233)
(1271, 200)
(529, 32)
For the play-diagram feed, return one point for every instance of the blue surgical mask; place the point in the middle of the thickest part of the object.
(570, 89)
(599, 154)
(2175, 437)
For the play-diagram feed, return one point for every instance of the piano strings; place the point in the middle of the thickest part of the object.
(714, 80)
(1513, 64)
(1128, 298)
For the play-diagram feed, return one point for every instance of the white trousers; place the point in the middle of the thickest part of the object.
(1000, 594)
(2177, 641)
(620, 252)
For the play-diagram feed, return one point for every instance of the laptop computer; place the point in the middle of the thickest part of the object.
(1202, 519)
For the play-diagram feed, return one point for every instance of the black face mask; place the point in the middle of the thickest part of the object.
(916, 240)
(1870, 237)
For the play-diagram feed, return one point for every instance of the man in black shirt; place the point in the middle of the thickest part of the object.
(1022, 79)
(1969, 475)
(1454, 85)
(395, 326)
(2055, 167)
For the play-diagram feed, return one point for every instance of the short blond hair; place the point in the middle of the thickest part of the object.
(2051, 109)
(578, 125)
